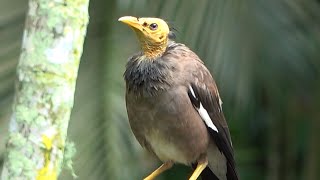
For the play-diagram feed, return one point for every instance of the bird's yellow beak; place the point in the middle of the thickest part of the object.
(130, 21)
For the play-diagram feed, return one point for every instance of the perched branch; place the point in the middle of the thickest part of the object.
(46, 77)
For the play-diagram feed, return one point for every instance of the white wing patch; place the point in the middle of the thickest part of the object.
(203, 113)
(192, 92)
(205, 116)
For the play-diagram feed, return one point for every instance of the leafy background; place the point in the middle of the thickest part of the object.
(265, 56)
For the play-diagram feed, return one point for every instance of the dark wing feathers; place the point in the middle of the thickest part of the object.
(211, 102)
(205, 92)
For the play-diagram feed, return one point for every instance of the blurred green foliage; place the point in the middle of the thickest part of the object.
(265, 56)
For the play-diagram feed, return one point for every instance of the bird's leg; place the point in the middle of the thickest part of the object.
(200, 167)
(165, 166)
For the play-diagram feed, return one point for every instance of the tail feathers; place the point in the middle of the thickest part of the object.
(231, 172)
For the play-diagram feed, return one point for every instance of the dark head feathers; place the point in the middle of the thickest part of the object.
(172, 34)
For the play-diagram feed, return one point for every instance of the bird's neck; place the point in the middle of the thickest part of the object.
(153, 50)
(147, 77)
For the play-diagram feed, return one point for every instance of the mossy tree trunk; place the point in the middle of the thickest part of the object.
(46, 77)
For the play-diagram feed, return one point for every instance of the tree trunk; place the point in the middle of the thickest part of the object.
(46, 77)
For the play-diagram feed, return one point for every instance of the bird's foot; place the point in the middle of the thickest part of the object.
(165, 166)
(200, 167)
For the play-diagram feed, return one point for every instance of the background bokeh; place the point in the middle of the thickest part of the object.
(265, 56)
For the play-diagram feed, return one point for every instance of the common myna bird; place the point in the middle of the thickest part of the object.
(173, 105)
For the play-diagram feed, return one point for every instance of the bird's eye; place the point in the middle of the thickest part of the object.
(153, 26)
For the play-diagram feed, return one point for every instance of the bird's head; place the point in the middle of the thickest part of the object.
(151, 32)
